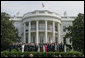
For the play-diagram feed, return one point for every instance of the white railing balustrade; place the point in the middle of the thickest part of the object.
(49, 27)
(41, 27)
(33, 27)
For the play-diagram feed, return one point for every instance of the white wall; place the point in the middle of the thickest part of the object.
(65, 22)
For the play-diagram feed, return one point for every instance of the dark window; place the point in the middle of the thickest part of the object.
(56, 39)
(33, 12)
(56, 29)
(64, 28)
(26, 37)
(41, 11)
(26, 30)
(26, 24)
(33, 39)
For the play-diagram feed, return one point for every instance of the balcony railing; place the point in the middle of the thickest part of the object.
(33, 28)
(49, 27)
(41, 27)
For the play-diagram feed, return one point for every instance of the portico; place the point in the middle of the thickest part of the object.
(42, 32)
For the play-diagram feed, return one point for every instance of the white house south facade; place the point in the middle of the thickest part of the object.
(42, 26)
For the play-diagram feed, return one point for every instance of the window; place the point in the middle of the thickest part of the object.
(33, 12)
(33, 39)
(26, 24)
(49, 40)
(26, 37)
(50, 12)
(41, 11)
(56, 40)
(41, 39)
(56, 29)
(26, 30)
(64, 28)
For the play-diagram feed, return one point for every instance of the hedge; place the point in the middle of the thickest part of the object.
(41, 54)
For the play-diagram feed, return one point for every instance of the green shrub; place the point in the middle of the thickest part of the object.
(41, 54)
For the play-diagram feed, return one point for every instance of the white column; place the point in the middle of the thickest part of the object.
(46, 31)
(59, 39)
(37, 40)
(53, 32)
(24, 34)
(29, 35)
(37, 35)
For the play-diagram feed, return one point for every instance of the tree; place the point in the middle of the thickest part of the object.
(76, 33)
(8, 32)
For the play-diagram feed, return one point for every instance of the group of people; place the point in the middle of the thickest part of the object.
(24, 47)
(54, 47)
(30, 47)
(34, 47)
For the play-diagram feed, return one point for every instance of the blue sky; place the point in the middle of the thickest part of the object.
(71, 7)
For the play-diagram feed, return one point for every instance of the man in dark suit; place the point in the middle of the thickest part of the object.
(52, 46)
(15, 46)
(60, 47)
(24, 47)
(36, 47)
(18, 46)
(48, 47)
(10, 47)
(28, 47)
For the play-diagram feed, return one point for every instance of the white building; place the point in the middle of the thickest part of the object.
(42, 26)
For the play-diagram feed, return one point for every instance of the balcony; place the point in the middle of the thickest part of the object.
(41, 27)
(49, 27)
(33, 28)
(41, 13)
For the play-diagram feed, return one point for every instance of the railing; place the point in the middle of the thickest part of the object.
(33, 28)
(49, 27)
(44, 14)
(41, 27)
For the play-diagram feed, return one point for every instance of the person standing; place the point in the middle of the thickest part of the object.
(58, 47)
(49, 47)
(28, 47)
(62, 47)
(46, 48)
(22, 47)
(36, 48)
(55, 46)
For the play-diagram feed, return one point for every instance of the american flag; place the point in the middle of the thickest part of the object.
(43, 5)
